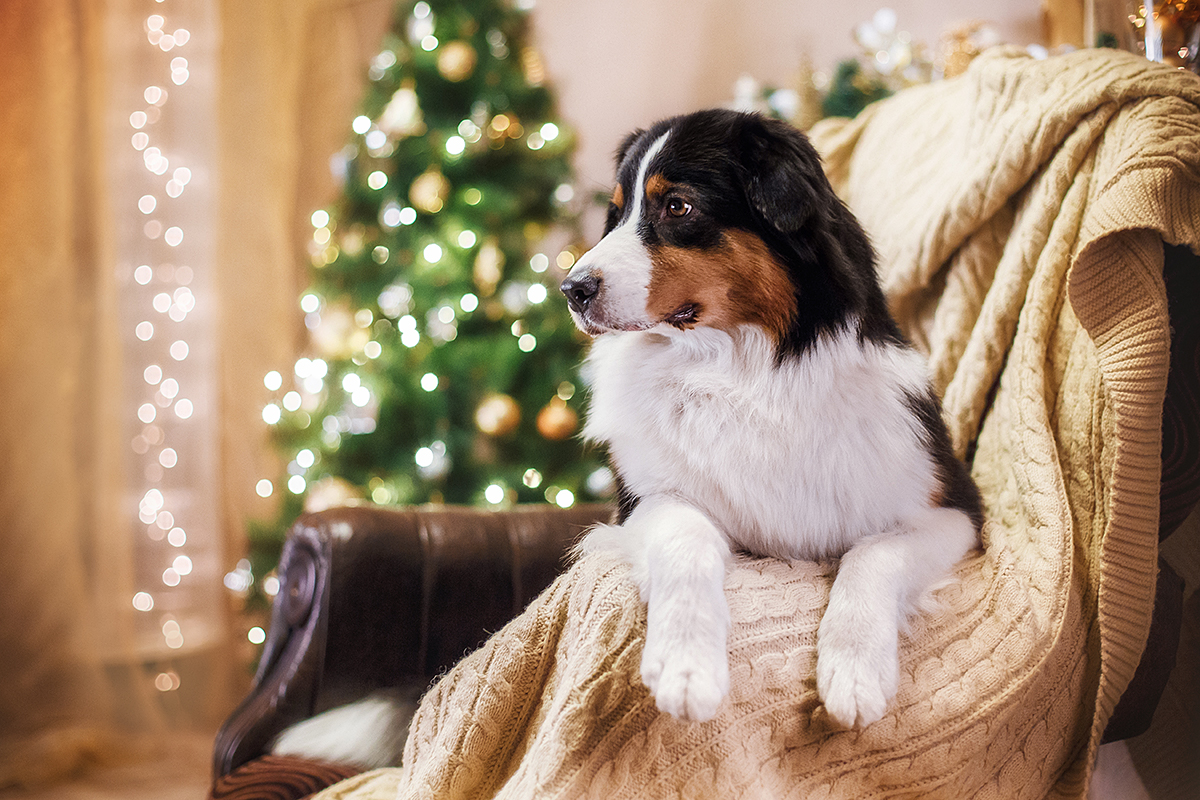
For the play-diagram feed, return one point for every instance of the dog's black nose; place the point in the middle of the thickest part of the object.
(580, 291)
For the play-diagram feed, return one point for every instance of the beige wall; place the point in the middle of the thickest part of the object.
(618, 64)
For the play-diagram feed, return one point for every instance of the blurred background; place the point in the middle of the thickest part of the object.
(265, 256)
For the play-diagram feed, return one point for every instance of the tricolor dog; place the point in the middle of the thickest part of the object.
(754, 394)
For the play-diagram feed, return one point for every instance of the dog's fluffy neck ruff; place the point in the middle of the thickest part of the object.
(771, 450)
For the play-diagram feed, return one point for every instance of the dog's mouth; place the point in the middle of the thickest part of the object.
(589, 326)
(594, 323)
(684, 316)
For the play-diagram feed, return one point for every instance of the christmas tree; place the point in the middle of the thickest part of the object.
(444, 362)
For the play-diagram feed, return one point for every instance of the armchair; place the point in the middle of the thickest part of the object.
(374, 598)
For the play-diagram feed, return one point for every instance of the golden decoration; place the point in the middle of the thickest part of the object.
(337, 335)
(456, 61)
(402, 116)
(1177, 24)
(534, 231)
(489, 267)
(429, 191)
(962, 44)
(808, 109)
(498, 415)
(557, 420)
(531, 64)
(353, 239)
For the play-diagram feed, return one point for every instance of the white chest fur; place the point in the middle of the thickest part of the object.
(795, 460)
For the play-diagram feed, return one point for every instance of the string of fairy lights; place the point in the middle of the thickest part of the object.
(168, 397)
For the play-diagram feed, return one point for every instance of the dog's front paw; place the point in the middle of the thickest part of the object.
(858, 668)
(685, 663)
(687, 685)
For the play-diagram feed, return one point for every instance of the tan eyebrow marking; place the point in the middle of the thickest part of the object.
(656, 186)
(618, 197)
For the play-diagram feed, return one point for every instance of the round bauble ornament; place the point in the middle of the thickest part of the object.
(429, 191)
(334, 332)
(353, 240)
(534, 231)
(531, 63)
(557, 420)
(489, 267)
(402, 116)
(498, 415)
(456, 61)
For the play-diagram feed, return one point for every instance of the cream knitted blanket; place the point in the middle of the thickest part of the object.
(1017, 212)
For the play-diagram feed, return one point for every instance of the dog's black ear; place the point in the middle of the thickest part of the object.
(784, 179)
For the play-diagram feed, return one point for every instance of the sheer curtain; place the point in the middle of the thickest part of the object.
(54, 424)
(158, 161)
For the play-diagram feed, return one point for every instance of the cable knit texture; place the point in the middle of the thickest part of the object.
(1018, 213)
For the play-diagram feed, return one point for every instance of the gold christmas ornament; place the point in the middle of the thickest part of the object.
(336, 335)
(531, 63)
(402, 116)
(534, 231)
(489, 267)
(353, 239)
(962, 44)
(808, 110)
(456, 61)
(557, 420)
(1178, 23)
(429, 191)
(498, 415)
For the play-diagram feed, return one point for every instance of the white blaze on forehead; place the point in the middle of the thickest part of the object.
(639, 185)
(621, 261)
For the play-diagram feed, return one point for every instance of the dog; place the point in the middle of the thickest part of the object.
(754, 394)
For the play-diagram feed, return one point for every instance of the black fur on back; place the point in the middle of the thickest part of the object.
(958, 488)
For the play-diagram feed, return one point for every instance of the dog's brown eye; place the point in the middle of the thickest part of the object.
(678, 207)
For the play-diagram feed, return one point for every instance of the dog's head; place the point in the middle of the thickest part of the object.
(723, 219)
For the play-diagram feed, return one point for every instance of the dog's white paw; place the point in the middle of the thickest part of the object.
(858, 667)
(685, 663)
(688, 686)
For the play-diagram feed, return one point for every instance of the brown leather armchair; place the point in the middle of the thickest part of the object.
(378, 598)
